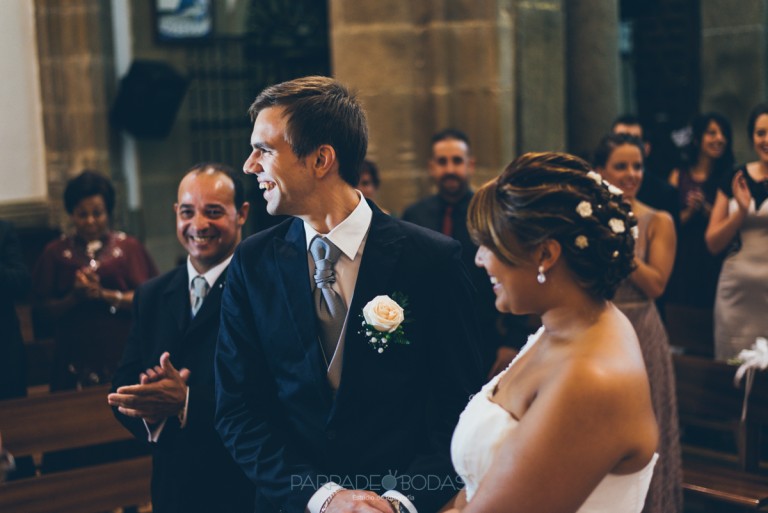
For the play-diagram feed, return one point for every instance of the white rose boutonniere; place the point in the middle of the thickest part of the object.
(382, 322)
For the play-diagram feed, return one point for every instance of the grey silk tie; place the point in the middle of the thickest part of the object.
(199, 291)
(330, 308)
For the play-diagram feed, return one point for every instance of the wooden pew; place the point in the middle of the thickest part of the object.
(709, 401)
(67, 420)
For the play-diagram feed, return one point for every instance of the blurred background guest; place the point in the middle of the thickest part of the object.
(451, 167)
(709, 157)
(619, 159)
(83, 286)
(654, 190)
(14, 284)
(369, 180)
(739, 223)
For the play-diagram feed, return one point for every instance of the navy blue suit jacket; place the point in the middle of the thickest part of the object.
(394, 412)
(191, 470)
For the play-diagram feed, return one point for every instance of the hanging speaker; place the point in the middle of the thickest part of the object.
(148, 98)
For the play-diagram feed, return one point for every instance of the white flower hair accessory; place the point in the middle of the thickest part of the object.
(584, 209)
(382, 321)
(614, 190)
(581, 242)
(616, 225)
(594, 175)
(635, 231)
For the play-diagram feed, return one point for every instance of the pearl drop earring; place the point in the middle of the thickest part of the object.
(541, 277)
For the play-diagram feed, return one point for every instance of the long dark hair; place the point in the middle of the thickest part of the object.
(722, 165)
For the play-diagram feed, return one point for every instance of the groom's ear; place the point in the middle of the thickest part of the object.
(549, 253)
(323, 160)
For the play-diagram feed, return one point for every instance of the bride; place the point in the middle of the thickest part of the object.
(569, 426)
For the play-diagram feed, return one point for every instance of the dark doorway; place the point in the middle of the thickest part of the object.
(281, 40)
(660, 60)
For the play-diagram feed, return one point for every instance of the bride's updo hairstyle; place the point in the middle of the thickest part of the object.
(542, 196)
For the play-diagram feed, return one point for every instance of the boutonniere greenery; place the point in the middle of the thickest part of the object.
(382, 321)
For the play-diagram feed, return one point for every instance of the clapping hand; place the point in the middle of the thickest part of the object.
(160, 393)
(741, 191)
(695, 200)
(87, 283)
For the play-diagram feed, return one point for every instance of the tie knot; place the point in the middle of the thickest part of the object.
(326, 254)
(199, 287)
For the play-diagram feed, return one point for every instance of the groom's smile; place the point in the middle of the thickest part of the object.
(284, 178)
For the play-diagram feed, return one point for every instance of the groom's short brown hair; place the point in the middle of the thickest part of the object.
(320, 111)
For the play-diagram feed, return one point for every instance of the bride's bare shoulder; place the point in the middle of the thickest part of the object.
(606, 361)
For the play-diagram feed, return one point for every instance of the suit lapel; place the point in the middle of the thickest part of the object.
(383, 247)
(380, 255)
(292, 268)
(176, 296)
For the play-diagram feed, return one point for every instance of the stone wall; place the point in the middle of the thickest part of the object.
(594, 86)
(75, 62)
(423, 66)
(734, 59)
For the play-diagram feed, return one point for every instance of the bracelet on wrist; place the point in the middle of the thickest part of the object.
(114, 303)
(397, 506)
(328, 500)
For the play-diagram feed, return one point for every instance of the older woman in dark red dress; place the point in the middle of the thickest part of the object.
(84, 283)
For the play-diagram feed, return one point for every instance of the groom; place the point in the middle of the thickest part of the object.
(323, 411)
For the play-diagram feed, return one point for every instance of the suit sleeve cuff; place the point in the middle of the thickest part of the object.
(402, 499)
(153, 433)
(183, 412)
(321, 495)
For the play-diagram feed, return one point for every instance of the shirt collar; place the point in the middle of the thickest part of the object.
(211, 275)
(349, 234)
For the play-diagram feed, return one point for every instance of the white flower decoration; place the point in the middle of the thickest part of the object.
(581, 242)
(755, 358)
(614, 190)
(617, 225)
(750, 361)
(635, 232)
(584, 209)
(596, 177)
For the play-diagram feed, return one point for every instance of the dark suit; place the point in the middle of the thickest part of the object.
(394, 412)
(429, 213)
(14, 283)
(191, 470)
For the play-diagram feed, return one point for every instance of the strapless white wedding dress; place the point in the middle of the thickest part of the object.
(484, 425)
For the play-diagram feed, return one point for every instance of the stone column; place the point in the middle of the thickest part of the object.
(593, 71)
(540, 27)
(734, 72)
(423, 66)
(75, 59)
